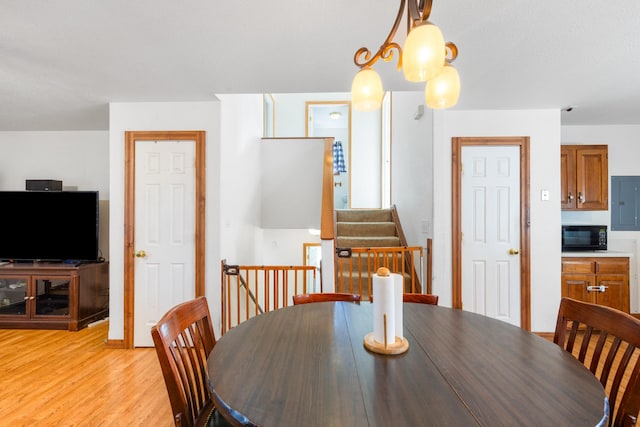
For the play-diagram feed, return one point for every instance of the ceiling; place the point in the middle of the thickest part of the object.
(61, 63)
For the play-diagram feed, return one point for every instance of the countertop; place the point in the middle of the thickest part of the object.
(610, 254)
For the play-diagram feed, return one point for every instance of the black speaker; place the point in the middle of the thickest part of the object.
(43, 185)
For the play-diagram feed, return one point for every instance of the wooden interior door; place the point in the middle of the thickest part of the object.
(129, 218)
(456, 220)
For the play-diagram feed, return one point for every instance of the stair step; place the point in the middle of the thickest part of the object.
(367, 242)
(364, 215)
(366, 229)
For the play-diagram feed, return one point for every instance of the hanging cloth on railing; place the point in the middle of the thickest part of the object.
(338, 158)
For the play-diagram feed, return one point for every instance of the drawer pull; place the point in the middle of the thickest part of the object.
(600, 288)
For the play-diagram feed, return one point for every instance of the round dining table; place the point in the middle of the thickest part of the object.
(306, 365)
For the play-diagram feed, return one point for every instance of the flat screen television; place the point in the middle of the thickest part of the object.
(49, 226)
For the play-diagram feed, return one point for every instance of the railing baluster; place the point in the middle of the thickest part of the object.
(266, 287)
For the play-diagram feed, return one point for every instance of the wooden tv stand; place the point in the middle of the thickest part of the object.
(53, 295)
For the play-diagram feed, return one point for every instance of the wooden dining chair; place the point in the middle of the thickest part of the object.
(183, 340)
(418, 298)
(323, 297)
(421, 298)
(607, 341)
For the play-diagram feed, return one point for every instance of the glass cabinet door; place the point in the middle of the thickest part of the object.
(14, 296)
(52, 296)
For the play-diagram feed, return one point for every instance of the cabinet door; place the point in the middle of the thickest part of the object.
(52, 296)
(567, 177)
(14, 296)
(615, 293)
(575, 286)
(592, 178)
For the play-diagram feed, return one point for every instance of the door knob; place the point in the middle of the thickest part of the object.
(141, 254)
(514, 251)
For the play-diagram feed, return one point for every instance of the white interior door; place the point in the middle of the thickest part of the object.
(164, 231)
(491, 231)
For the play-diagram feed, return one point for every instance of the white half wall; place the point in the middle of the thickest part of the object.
(543, 128)
(291, 182)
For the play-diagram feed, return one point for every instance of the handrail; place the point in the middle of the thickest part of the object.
(403, 239)
(326, 216)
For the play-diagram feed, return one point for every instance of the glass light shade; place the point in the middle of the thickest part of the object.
(423, 54)
(366, 90)
(443, 91)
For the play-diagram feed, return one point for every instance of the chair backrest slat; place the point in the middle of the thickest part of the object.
(183, 339)
(327, 296)
(420, 298)
(609, 345)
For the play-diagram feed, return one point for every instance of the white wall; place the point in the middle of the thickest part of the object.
(161, 116)
(543, 128)
(239, 173)
(624, 151)
(285, 247)
(411, 166)
(79, 159)
(365, 146)
(366, 160)
(290, 111)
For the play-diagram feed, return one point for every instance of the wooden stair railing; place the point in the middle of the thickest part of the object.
(358, 271)
(356, 266)
(249, 290)
(403, 242)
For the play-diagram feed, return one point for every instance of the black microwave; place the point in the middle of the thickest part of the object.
(584, 238)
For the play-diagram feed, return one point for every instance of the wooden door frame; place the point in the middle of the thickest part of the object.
(199, 136)
(456, 218)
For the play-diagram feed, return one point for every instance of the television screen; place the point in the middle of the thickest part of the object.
(49, 225)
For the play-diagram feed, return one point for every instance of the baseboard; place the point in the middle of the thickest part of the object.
(114, 344)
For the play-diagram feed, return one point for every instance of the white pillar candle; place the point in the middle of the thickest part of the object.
(384, 318)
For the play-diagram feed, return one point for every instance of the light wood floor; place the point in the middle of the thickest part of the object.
(62, 378)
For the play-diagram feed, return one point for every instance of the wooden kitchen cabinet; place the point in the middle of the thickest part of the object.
(584, 176)
(598, 280)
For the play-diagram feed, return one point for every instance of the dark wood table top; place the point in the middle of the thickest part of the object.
(306, 365)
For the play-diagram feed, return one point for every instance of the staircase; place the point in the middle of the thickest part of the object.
(367, 239)
(366, 228)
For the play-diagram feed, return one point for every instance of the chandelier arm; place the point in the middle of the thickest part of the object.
(452, 52)
(425, 9)
(386, 50)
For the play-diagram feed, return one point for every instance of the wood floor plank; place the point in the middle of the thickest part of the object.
(62, 378)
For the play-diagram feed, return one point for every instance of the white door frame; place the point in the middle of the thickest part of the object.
(456, 220)
(129, 219)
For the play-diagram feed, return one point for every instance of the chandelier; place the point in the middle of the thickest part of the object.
(425, 58)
